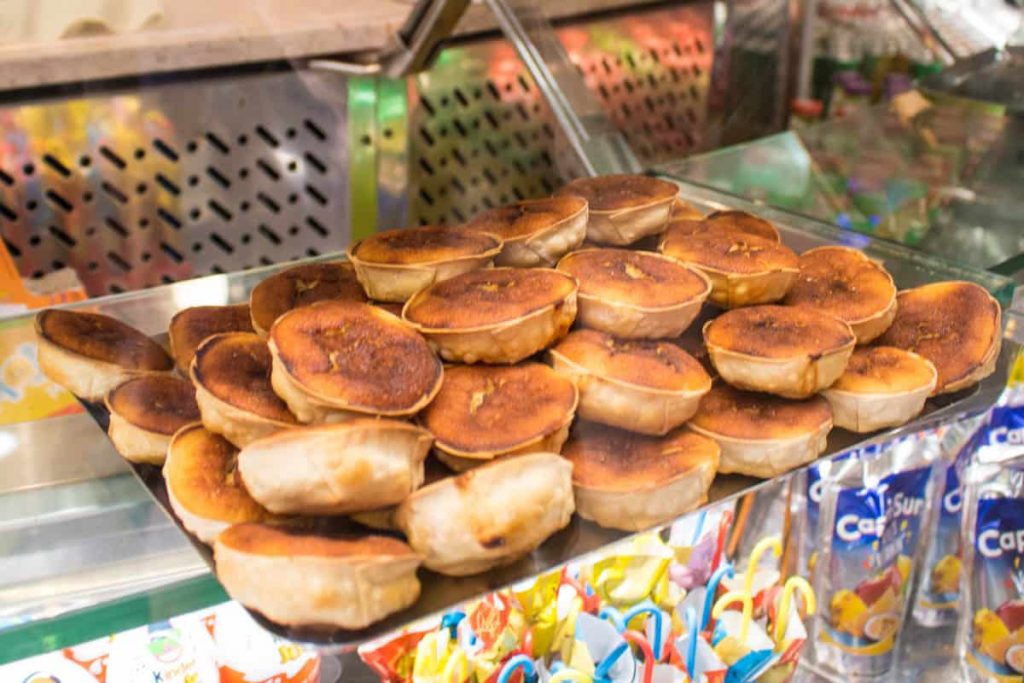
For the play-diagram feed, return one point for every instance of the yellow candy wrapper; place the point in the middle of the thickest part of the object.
(439, 659)
(637, 571)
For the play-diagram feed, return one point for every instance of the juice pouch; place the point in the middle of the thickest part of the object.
(871, 521)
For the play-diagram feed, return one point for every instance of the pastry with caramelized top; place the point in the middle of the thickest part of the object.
(484, 412)
(644, 386)
(89, 354)
(624, 208)
(684, 210)
(489, 516)
(395, 264)
(305, 580)
(145, 412)
(632, 482)
(882, 387)
(190, 327)
(790, 351)
(499, 315)
(231, 375)
(203, 485)
(846, 284)
(335, 360)
(762, 435)
(536, 232)
(300, 286)
(955, 325)
(719, 222)
(359, 465)
(635, 294)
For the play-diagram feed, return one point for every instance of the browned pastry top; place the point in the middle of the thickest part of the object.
(527, 217)
(202, 472)
(643, 362)
(487, 409)
(778, 332)
(748, 415)
(639, 278)
(155, 403)
(102, 338)
(955, 325)
(191, 326)
(279, 541)
(842, 282)
(885, 369)
(727, 251)
(425, 244)
(356, 356)
(738, 222)
(235, 368)
(612, 459)
(620, 191)
(488, 297)
(303, 285)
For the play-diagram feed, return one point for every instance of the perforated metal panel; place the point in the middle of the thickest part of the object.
(175, 180)
(481, 134)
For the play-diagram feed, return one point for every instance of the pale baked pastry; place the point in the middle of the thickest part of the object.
(955, 325)
(762, 435)
(300, 286)
(786, 350)
(190, 327)
(145, 412)
(684, 210)
(644, 386)
(633, 482)
(536, 232)
(846, 284)
(624, 208)
(203, 486)
(231, 375)
(334, 360)
(301, 579)
(358, 465)
(486, 412)
(882, 387)
(89, 354)
(490, 516)
(635, 294)
(395, 264)
(500, 315)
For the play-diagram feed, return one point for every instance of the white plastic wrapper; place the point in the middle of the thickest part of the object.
(178, 652)
(246, 653)
(49, 668)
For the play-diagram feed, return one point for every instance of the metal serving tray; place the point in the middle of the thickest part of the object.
(151, 310)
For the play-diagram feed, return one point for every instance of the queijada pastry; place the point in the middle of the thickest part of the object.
(785, 350)
(955, 325)
(724, 221)
(203, 485)
(683, 210)
(631, 481)
(383, 519)
(535, 232)
(301, 579)
(846, 284)
(635, 294)
(89, 354)
(355, 466)
(145, 412)
(744, 269)
(486, 412)
(624, 208)
(498, 315)
(231, 376)
(762, 435)
(395, 264)
(299, 286)
(335, 360)
(190, 327)
(644, 386)
(489, 516)
(882, 387)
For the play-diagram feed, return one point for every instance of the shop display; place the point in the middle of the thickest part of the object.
(145, 412)
(536, 232)
(624, 208)
(300, 286)
(191, 326)
(395, 264)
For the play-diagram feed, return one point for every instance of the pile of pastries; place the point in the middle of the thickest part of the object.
(470, 387)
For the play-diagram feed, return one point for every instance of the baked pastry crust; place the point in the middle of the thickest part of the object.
(536, 232)
(145, 412)
(300, 286)
(190, 327)
(624, 207)
(739, 222)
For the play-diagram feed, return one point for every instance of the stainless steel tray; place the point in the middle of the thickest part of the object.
(151, 310)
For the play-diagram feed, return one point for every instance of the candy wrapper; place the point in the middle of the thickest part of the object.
(50, 668)
(393, 658)
(698, 542)
(760, 575)
(739, 641)
(246, 653)
(91, 656)
(600, 651)
(636, 571)
(168, 652)
(439, 659)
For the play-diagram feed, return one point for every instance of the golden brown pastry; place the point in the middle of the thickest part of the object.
(724, 222)
(395, 264)
(624, 208)
(190, 327)
(635, 294)
(145, 412)
(536, 232)
(300, 286)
